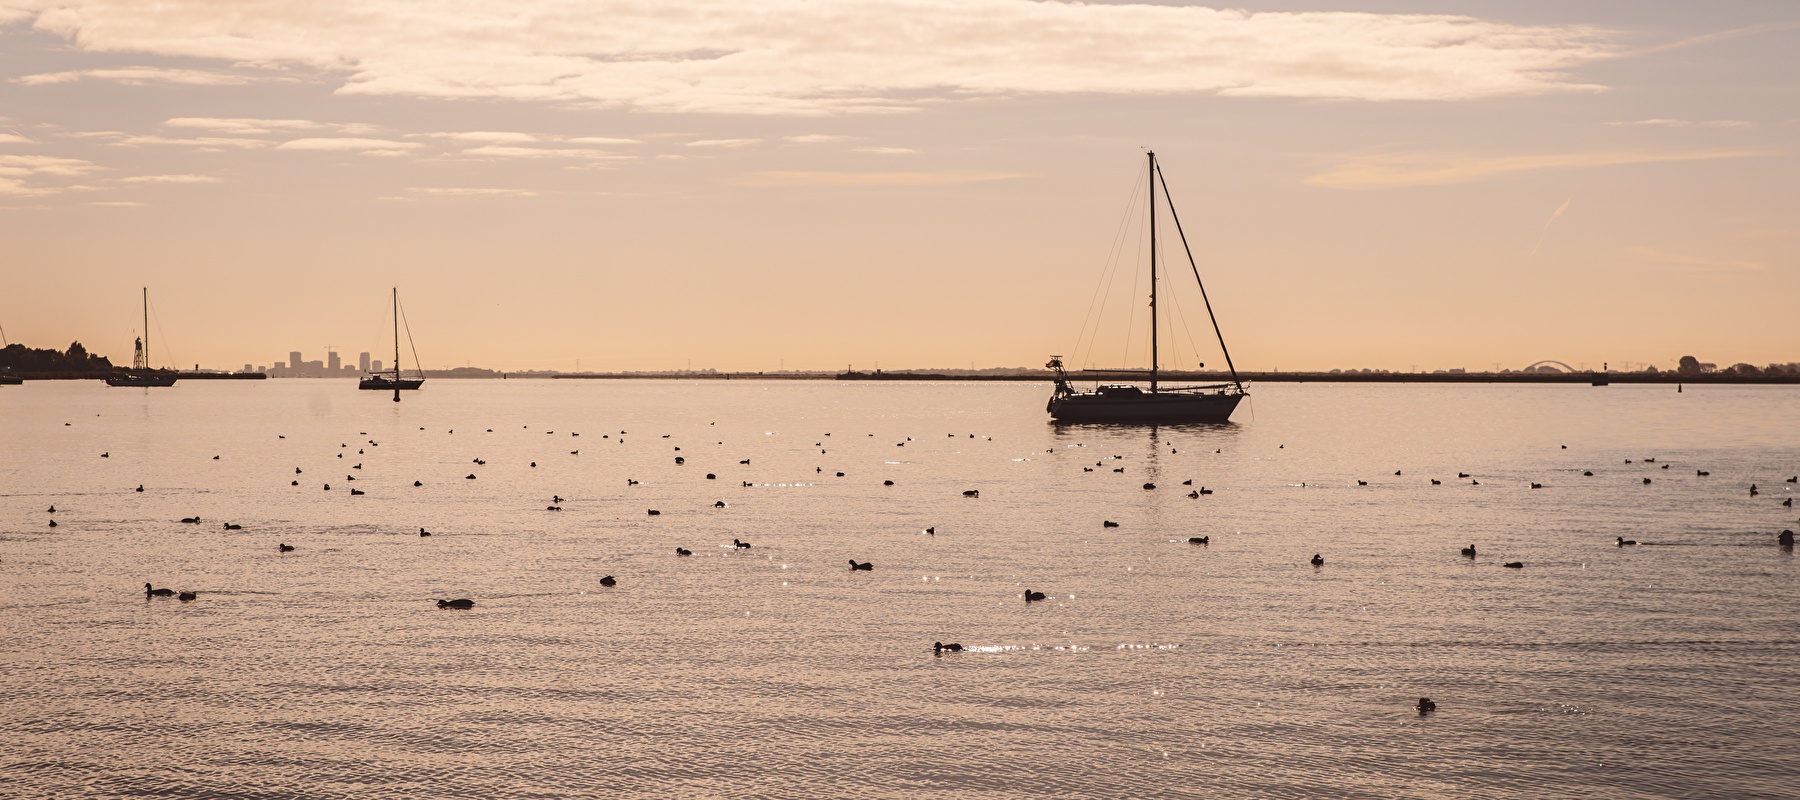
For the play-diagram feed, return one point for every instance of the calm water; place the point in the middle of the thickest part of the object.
(1155, 668)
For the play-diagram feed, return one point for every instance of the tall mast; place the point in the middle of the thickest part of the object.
(1153, 353)
(396, 333)
(147, 328)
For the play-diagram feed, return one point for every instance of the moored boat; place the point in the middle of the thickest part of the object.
(1129, 403)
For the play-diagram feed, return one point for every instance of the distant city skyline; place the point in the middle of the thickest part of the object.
(915, 183)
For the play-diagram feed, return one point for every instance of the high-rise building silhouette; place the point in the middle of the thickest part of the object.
(362, 362)
(295, 365)
(333, 363)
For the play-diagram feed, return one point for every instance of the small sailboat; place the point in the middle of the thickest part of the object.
(1129, 403)
(142, 374)
(392, 378)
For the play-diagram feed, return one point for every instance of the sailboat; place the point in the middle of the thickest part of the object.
(392, 379)
(1129, 403)
(142, 374)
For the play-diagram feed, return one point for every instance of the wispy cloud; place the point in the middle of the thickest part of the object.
(169, 179)
(45, 165)
(1658, 256)
(887, 151)
(1440, 168)
(1683, 123)
(13, 138)
(505, 151)
(351, 145)
(138, 76)
(244, 127)
(816, 138)
(727, 143)
(784, 179)
(452, 191)
(119, 203)
(726, 56)
(17, 172)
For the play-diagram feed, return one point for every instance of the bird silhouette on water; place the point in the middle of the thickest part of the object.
(1318, 560)
(284, 547)
(682, 551)
(740, 545)
(864, 566)
(609, 581)
(150, 592)
(186, 596)
(1425, 706)
(939, 647)
(1032, 597)
(459, 603)
(1624, 542)
(1199, 539)
(1469, 552)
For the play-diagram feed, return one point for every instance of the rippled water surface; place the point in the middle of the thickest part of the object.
(1154, 668)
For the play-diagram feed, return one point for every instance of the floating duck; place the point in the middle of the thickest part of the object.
(186, 596)
(233, 526)
(1623, 542)
(1318, 560)
(609, 581)
(460, 603)
(1032, 597)
(1108, 524)
(1199, 539)
(682, 551)
(740, 545)
(284, 547)
(423, 532)
(939, 647)
(864, 566)
(1514, 565)
(1469, 551)
(149, 592)
(1425, 706)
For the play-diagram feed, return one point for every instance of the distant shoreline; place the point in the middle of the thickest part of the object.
(1572, 378)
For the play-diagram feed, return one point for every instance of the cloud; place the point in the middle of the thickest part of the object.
(486, 136)
(169, 179)
(889, 151)
(376, 147)
(1652, 254)
(120, 203)
(1682, 123)
(201, 142)
(45, 165)
(730, 143)
(138, 76)
(600, 140)
(243, 127)
(15, 169)
(1441, 168)
(503, 151)
(785, 179)
(13, 138)
(804, 57)
(467, 192)
(816, 138)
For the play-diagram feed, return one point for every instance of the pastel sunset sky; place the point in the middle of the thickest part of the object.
(808, 184)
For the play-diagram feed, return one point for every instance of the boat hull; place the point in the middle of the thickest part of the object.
(1167, 407)
(386, 384)
(141, 380)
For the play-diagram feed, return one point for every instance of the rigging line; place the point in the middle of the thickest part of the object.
(1131, 317)
(1185, 328)
(164, 339)
(414, 346)
(1190, 255)
(1111, 275)
(1111, 264)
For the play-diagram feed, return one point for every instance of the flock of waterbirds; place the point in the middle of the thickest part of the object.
(1784, 539)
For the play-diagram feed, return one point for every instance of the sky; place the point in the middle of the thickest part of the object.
(798, 184)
